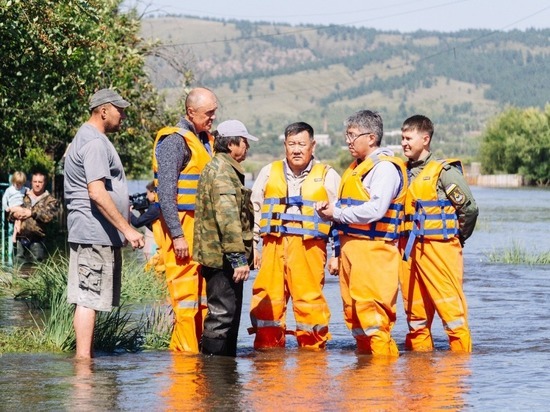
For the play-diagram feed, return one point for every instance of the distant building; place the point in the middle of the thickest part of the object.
(392, 140)
(321, 139)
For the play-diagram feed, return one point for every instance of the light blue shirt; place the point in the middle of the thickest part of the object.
(382, 183)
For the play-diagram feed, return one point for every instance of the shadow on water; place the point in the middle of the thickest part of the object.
(507, 370)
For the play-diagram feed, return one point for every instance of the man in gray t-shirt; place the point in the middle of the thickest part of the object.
(97, 201)
(93, 157)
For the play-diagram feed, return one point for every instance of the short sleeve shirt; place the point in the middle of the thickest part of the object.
(91, 156)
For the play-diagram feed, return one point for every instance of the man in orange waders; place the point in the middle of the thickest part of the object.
(440, 214)
(179, 155)
(368, 216)
(294, 239)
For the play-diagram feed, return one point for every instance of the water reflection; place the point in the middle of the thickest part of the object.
(289, 380)
(198, 382)
(371, 382)
(435, 381)
(92, 390)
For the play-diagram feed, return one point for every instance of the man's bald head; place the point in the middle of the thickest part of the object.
(200, 107)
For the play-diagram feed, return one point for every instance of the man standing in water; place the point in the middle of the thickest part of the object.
(179, 156)
(368, 216)
(96, 194)
(294, 244)
(441, 214)
(224, 237)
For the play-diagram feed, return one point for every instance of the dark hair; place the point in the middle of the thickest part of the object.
(369, 122)
(419, 122)
(150, 186)
(222, 143)
(298, 127)
(40, 171)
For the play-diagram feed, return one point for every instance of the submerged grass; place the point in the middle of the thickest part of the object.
(116, 332)
(45, 291)
(23, 340)
(157, 327)
(517, 254)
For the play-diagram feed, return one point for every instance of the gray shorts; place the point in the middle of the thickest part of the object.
(94, 276)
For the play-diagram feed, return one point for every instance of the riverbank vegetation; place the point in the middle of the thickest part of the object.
(143, 321)
(517, 254)
(518, 142)
(54, 56)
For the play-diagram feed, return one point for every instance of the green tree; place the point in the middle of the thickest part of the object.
(518, 141)
(55, 54)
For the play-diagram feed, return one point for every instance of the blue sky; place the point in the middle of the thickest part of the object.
(402, 15)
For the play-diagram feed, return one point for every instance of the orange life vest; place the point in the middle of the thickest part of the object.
(189, 176)
(352, 193)
(425, 214)
(275, 219)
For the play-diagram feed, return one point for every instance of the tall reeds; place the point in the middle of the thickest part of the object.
(129, 327)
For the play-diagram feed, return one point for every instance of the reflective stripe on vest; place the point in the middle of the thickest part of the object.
(189, 176)
(276, 221)
(352, 193)
(427, 216)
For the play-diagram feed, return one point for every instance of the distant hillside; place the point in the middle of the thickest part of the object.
(270, 75)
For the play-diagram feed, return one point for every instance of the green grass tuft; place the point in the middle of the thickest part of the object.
(157, 327)
(518, 255)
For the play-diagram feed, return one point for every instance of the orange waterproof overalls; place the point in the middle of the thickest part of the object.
(433, 265)
(370, 262)
(183, 278)
(293, 263)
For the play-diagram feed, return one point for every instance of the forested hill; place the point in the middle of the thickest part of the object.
(269, 75)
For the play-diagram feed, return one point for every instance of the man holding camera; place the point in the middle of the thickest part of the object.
(149, 212)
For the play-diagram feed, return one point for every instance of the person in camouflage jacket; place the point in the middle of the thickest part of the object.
(223, 237)
(38, 209)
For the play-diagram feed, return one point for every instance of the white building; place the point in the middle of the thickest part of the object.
(321, 139)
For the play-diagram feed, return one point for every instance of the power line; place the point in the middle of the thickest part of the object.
(291, 16)
(315, 28)
(453, 49)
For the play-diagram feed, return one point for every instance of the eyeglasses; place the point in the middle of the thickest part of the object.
(351, 138)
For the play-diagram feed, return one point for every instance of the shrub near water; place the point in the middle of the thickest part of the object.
(117, 330)
(518, 255)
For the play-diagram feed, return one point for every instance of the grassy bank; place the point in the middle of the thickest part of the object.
(141, 322)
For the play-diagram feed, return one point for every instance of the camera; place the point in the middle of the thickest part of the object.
(139, 201)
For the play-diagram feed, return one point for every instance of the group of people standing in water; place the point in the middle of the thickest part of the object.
(384, 225)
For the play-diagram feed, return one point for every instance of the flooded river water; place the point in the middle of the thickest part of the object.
(508, 369)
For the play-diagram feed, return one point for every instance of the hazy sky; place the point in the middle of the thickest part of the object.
(402, 15)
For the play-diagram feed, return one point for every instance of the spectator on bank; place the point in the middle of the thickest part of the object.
(39, 208)
(12, 198)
